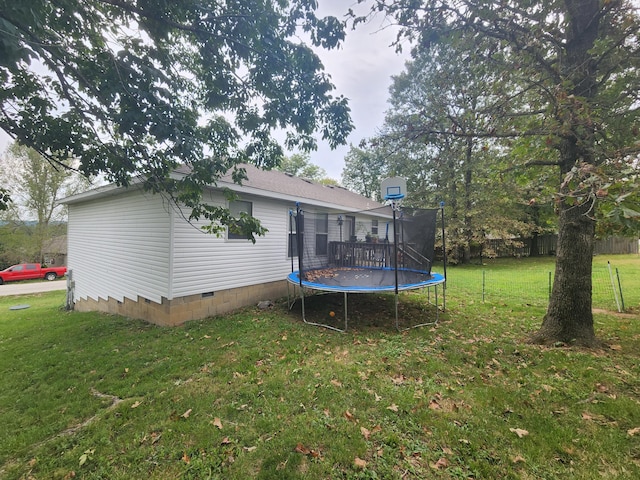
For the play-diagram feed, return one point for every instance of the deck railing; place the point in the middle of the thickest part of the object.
(365, 254)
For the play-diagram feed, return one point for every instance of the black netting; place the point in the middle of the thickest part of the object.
(357, 249)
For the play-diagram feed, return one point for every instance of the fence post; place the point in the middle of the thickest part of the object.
(620, 289)
(613, 285)
(483, 281)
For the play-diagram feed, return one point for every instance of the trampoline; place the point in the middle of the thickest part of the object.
(400, 262)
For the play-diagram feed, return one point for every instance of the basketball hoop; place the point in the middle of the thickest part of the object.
(393, 188)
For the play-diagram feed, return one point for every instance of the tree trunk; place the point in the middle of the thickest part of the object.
(569, 318)
(468, 202)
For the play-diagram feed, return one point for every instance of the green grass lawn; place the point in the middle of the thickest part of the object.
(259, 394)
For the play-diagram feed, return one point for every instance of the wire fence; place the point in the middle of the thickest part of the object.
(533, 286)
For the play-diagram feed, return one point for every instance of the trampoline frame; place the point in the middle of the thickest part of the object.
(434, 281)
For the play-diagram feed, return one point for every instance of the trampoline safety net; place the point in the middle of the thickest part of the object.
(363, 250)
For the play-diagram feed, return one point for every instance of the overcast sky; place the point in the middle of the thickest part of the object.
(361, 70)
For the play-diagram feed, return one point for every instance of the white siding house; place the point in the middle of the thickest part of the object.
(134, 253)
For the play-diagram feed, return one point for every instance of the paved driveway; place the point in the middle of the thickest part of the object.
(22, 288)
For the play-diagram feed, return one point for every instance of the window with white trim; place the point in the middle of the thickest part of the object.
(322, 233)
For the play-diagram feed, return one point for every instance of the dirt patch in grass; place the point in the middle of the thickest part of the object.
(616, 314)
(367, 310)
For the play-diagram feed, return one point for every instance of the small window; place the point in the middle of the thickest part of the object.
(374, 227)
(236, 208)
(31, 267)
(322, 233)
(17, 268)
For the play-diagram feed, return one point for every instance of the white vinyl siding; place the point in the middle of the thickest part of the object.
(119, 247)
(206, 263)
(130, 244)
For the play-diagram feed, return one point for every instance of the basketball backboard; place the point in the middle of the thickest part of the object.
(393, 188)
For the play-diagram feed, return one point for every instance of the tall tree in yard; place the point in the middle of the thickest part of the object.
(568, 71)
(364, 168)
(134, 88)
(440, 110)
(36, 186)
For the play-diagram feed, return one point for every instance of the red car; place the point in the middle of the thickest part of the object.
(29, 271)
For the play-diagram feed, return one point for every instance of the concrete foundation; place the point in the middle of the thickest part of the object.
(193, 307)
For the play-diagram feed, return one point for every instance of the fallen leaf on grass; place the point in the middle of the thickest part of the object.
(187, 413)
(441, 463)
(300, 448)
(217, 423)
(518, 459)
(136, 404)
(366, 433)
(249, 449)
(336, 383)
(185, 458)
(434, 405)
(349, 416)
(633, 431)
(359, 463)
(519, 432)
(393, 407)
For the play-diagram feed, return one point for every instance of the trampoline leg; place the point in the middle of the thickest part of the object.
(330, 327)
(396, 308)
(291, 303)
(346, 310)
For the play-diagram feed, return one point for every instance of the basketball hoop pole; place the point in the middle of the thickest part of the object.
(395, 198)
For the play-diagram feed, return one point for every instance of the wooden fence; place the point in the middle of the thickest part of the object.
(546, 245)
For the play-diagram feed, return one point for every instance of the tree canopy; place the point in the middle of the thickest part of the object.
(134, 88)
(561, 75)
(299, 165)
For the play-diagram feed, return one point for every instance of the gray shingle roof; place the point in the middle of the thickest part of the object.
(303, 190)
(267, 183)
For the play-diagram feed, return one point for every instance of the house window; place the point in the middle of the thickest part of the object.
(374, 227)
(236, 208)
(322, 233)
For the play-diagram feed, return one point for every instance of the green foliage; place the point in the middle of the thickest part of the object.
(135, 89)
(364, 169)
(299, 165)
(440, 112)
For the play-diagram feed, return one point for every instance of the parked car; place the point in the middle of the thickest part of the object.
(29, 271)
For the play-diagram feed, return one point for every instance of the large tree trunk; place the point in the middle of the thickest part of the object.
(569, 318)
